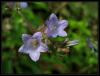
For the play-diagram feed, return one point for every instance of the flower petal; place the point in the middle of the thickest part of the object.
(26, 48)
(25, 37)
(53, 35)
(42, 48)
(48, 24)
(37, 35)
(34, 55)
(62, 33)
(53, 18)
(63, 24)
(22, 49)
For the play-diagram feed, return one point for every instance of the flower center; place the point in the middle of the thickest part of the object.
(35, 43)
(53, 28)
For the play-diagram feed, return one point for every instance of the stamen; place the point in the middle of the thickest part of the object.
(35, 43)
(53, 27)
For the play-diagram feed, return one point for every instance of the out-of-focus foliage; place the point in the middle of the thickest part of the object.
(83, 22)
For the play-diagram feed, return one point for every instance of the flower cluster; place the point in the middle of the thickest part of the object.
(33, 45)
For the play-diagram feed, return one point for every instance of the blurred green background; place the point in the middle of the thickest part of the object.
(83, 23)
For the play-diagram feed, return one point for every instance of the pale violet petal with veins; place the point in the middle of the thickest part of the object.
(62, 33)
(63, 24)
(34, 55)
(53, 19)
(43, 48)
(37, 35)
(25, 37)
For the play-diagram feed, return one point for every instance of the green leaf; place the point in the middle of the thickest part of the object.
(58, 39)
(7, 67)
(40, 5)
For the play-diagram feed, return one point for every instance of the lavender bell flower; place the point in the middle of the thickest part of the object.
(55, 27)
(23, 4)
(33, 45)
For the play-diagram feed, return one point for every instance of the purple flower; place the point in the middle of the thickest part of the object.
(55, 27)
(23, 4)
(33, 45)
